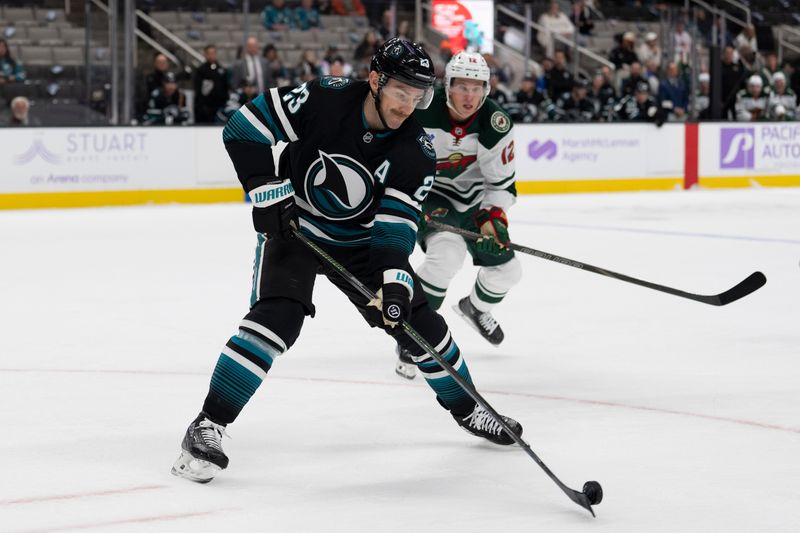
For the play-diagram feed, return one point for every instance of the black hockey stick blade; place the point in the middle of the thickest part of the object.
(578, 497)
(752, 283)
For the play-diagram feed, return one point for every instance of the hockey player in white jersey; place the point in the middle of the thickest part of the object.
(473, 188)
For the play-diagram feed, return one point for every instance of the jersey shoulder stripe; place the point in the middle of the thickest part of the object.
(260, 109)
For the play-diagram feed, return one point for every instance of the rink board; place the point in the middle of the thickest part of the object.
(76, 167)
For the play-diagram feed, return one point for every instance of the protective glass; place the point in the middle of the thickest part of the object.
(406, 94)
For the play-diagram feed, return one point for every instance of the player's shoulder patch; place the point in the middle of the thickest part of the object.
(334, 82)
(500, 121)
(427, 146)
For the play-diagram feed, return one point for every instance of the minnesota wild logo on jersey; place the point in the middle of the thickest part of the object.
(338, 186)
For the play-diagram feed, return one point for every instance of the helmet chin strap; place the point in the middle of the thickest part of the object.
(376, 99)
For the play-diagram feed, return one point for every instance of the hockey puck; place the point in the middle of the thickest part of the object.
(593, 491)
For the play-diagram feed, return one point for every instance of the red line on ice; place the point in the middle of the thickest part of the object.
(139, 520)
(109, 492)
(740, 421)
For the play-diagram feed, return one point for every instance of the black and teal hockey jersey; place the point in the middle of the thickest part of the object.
(353, 186)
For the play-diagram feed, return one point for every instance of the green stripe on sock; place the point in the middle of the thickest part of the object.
(486, 296)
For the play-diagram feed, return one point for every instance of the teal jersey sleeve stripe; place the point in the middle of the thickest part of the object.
(239, 128)
(393, 235)
(260, 103)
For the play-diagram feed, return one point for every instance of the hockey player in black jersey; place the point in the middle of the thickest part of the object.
(352, 178)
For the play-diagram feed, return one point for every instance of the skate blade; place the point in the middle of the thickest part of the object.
(471, 324)
(194, 469)
(405, 370)
(491, 443)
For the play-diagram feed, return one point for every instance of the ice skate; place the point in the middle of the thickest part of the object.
(405, 366)
(201, 456)
(481, 424)
(484, 323)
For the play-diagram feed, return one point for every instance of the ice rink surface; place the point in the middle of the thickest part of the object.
(689, 415)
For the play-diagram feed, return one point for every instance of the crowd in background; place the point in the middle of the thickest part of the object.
(644, 83)
(647, 83)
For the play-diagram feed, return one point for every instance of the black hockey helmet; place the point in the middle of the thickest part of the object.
(406, 62)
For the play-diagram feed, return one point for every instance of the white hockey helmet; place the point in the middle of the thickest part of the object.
(470, 66)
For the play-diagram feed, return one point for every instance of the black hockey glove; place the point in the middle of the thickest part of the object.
(392, 303)
(274, 210)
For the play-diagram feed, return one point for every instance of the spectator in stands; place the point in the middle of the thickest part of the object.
(608, 75)
(702, 98)
(782, 101)
(705, 25)
(367, 47)
(747, 37)
(10, 70)
(210, 87)
(651, 75)
(167, 104)
(334, 64)
(649, 50)
(155, 80)
(340, 68)
(555, 22)
(277, 71)
(374, 10)
(581, 19)
(630, 83)
(20, 109)
(387, 20)
(673, 94)
(769, 69)
(277, 16)
(528, 94)
(603, 96)
(497, 91)
(733, 76)
(353, 8)
(309, 67)
(237, 99)
(331, 53)
(683, 44)
(749, 59)
(792, 72)
(306, 16)
(252, 67)
(623, 55)
(751, 102)
(561, 80)
(542, 82)
(640, 107)
(574, 106)
(404, 30)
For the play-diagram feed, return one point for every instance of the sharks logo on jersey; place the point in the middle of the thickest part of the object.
(338, 187)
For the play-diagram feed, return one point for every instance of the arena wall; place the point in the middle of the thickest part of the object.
(75, 167)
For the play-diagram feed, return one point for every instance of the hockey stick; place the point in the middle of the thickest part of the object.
(750, 284)
(581, 498)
